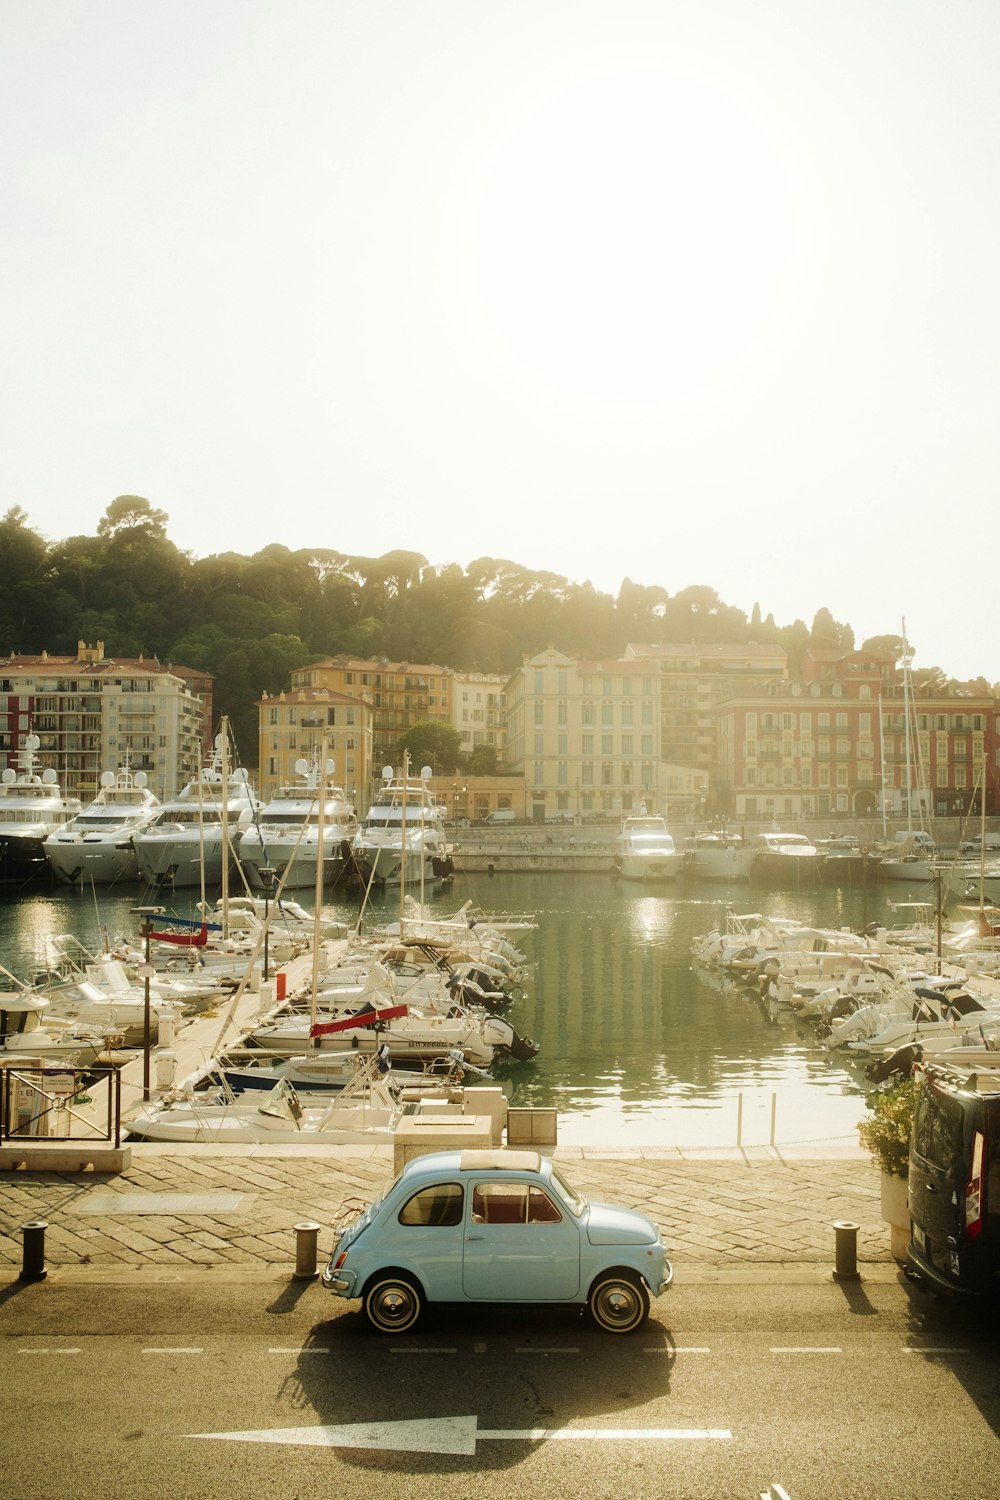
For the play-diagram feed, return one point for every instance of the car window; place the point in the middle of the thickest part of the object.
(433, 1207)
(541, 1209)
(937, 1129)
(513, 1203)
(576, 1203)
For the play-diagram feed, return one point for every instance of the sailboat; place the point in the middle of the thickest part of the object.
(914, 857)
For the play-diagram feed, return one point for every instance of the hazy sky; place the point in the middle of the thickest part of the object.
(685, 291)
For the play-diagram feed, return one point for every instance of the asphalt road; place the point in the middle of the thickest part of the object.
(279, 1391)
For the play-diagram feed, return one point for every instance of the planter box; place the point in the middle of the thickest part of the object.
(896, 1213)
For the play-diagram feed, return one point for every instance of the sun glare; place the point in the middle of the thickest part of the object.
(632, 237)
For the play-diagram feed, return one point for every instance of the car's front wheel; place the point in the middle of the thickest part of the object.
(393, 1302)
(618, 1302)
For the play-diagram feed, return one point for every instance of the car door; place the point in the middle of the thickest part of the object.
(520, 1244)
(936, 1186)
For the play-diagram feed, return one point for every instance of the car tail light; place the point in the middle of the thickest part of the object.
(340, 1260)
(974, 1188)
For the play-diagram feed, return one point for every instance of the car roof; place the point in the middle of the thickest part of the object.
(436, 1162)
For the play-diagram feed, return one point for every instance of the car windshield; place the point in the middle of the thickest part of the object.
(571, 1197)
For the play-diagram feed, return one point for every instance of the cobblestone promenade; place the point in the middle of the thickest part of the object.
(233, 1213)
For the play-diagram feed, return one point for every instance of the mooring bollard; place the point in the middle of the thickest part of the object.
(306, 1236)
(33, 1251)
(846, 1267)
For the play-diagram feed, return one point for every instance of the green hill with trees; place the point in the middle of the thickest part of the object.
(249, 620)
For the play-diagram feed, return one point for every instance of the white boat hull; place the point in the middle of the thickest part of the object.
(92, 861)
(651, 867)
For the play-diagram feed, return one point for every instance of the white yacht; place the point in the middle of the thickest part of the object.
(285, 835)
(32, 806)
(717, 855)
(185, 843)
(644, 850)
(784, 858)
(96, 846)
(403, 838)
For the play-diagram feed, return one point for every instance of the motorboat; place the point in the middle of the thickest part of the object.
(784, 859)
(27, 1032)
(402, 840)
(845, 861)
(95, 847)
(32, 806)
(284, 837)
(365, 1112)
(716, 854)
(192, 834)
(644, 850)
(417, 1018)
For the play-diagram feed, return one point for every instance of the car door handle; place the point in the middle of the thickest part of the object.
(475, 1236)
(930, 1187)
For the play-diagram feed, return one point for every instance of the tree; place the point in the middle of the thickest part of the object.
(132, 513)
(893, 643)
(23, 550)
(432, 744)
(482, 761)
(827, 635)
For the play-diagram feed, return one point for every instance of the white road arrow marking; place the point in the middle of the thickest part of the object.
(457, 1435)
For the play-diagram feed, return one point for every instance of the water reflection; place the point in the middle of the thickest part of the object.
(635, 1044)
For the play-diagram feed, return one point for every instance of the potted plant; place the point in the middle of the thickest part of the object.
(885, 1132)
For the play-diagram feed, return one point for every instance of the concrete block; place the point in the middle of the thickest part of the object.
(532, 1127)
(417, 1136)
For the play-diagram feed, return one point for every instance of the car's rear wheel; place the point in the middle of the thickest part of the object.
(618, 1302)
(393, 1302)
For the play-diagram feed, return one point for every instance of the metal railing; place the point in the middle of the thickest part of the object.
(57, 1103)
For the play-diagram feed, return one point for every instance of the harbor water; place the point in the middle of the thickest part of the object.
(637, 1046)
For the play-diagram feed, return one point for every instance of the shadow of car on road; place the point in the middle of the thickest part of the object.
(468, 1375)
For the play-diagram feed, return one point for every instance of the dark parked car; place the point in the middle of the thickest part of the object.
(954, 1181)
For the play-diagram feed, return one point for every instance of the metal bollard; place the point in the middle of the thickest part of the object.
(306, 1236)
(846, 1268)
(33, 1251)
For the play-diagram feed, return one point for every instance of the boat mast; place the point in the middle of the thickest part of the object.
(318, 899)
(881, 751)
(224, 769)
(402, 843)
(906, 735)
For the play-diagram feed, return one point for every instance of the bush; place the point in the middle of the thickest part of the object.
(886, 1131)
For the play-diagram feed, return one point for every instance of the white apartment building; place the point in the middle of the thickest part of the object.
(477, 712)
(90, 711)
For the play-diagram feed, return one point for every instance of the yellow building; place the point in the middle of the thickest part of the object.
(401, 695)
(292, 726)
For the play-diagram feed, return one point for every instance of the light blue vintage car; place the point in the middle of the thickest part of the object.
(495, 1226)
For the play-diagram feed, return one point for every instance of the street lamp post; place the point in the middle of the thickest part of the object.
(146, 970)
(267, 876)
